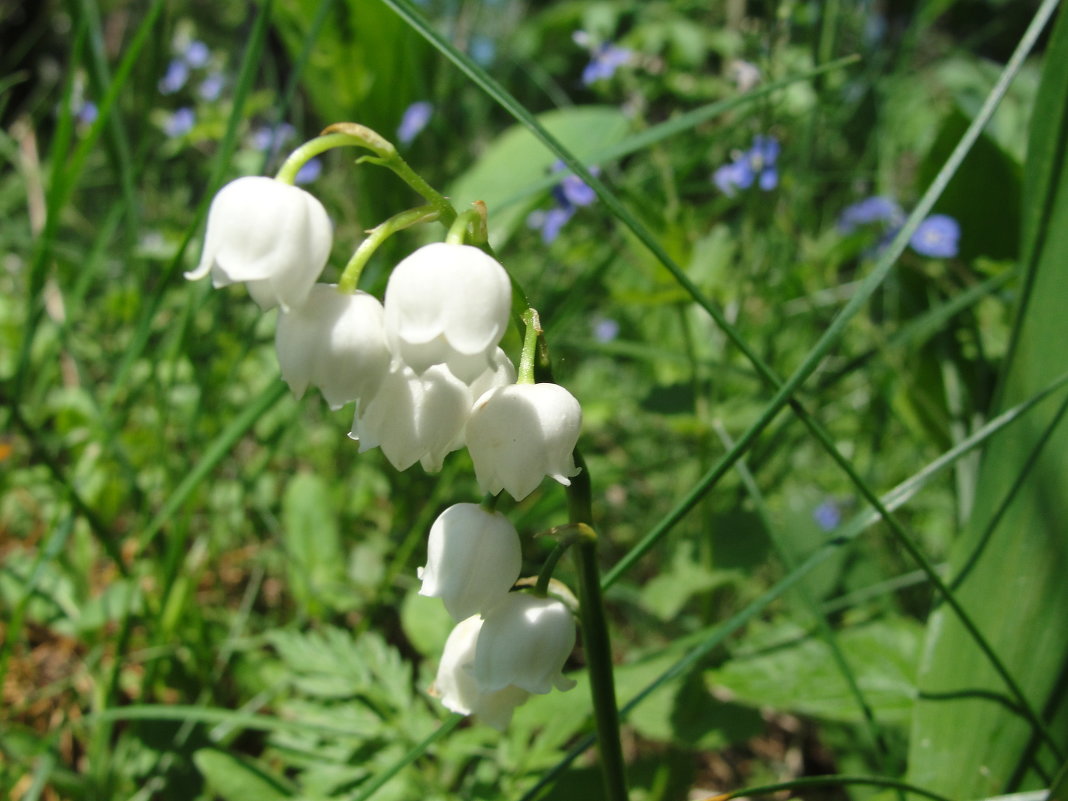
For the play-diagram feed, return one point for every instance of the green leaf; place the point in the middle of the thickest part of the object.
(798, 675)
(239, 778)
(315, 563)
(518, 158)
(1008, 568)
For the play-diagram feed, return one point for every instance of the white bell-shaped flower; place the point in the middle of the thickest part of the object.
(500, 373)
(335, 342)
(473, 559)
(524, 642)
(521, 433)
(414, 418)
(455, 683)
(274, 237)
(447, 304)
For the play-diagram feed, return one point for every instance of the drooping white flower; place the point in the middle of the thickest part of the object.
(335, 342)
(500, 373)
(414, 418)
(524, 642)
(447, 304)
(274, 237)
(455, 683)
(521, 433)
(473, 559)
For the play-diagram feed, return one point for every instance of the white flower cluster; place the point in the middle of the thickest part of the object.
(428, 377)
(506, 645)
(423, 367)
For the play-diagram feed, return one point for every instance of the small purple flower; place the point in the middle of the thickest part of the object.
(180, 122)
(550, 222)
(311, 170)
(271, 138)
(733, 176)
(414, 120)
(211, 87)
(174, 78)
(875, 209)
(571, 193)
(827, 515)
(605, 329)
(758, 164)
(196, 54)
(937, 237)
(762, 158)
(87, 114)
(605, 58)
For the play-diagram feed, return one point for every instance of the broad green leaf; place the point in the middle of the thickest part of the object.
(799, 676)
(239, 778)
(315, 563)
(517, 158)
(1009, 567)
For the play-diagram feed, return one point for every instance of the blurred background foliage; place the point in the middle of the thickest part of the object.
(207, 593)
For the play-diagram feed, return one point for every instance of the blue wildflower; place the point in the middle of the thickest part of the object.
(937, 237)
(757, 164)
(174, 78)
(605, 329)
(414, 120)
(571, 193)
(605, 58)
(180, 122)
(827, 515)
(271, 138)
(311, 170)
(871, 210)
(211, 87)
(87, 114)
(196, 54)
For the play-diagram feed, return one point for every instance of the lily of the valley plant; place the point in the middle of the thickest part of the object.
(427, 375)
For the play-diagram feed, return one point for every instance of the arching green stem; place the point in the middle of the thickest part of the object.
(459, 231)
(350, 277)
(569, 534)
(350, 134)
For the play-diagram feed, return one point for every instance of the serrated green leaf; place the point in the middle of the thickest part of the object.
(1008, 568)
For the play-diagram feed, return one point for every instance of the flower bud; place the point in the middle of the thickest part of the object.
(274, 237)
(447, 304)
(518, 434)
(524, 642)
(473, 559)
(335, 342)
(414, 418)
(456, 685)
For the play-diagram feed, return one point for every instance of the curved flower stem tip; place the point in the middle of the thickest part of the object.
(569, 534)
(351, 134)
(532, 321)
(350, 277)
(470, 226)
